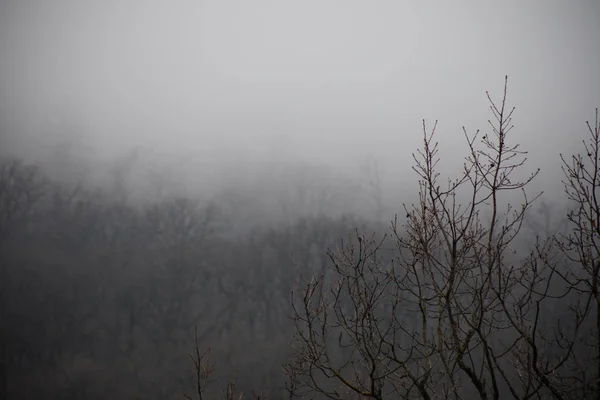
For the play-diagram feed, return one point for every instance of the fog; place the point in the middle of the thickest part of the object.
(320, 81)
(165, 164)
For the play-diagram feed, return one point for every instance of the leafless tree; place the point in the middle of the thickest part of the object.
(577, 342)
(456, 312)
(205, 369)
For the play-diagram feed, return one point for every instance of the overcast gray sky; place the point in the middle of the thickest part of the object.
(325, 80)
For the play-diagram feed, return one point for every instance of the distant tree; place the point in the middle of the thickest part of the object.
(22, 188)
(372, 186)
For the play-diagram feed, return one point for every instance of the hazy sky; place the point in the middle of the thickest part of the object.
(326, 80)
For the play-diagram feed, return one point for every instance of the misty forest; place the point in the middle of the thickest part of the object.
(266, 233)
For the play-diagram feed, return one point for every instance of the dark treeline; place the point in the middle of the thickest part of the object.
(101, 296)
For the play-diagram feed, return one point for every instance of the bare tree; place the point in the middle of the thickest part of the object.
(577, 342)
(205, 368)
(457, 312)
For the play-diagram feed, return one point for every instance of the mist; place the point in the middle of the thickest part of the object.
(323, 82)
(275, 127)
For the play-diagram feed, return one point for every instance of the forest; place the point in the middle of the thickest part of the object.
(289, 289)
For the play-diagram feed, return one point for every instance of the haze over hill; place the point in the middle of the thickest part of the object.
(319, 81)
